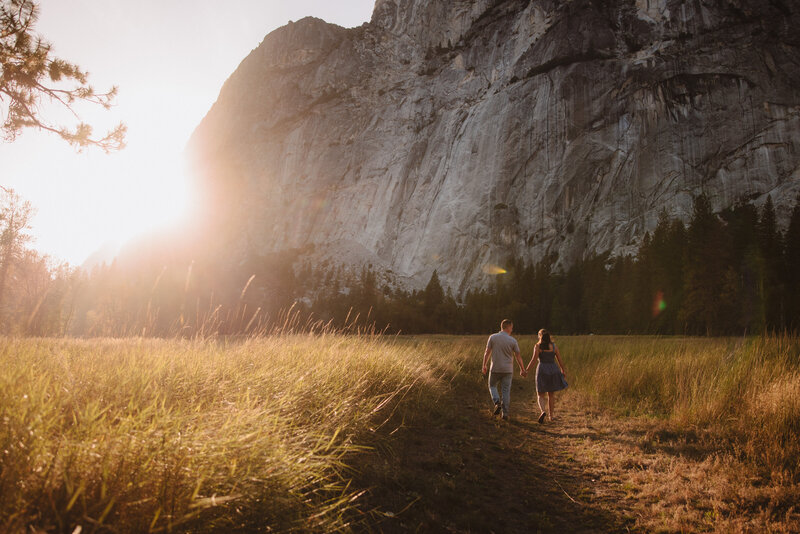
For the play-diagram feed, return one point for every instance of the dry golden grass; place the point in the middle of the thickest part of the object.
(688, 434)
(135, 435)
(664, 480)
(147, 435)
(739, 395)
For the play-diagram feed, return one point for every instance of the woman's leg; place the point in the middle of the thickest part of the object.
(542, 405)
(551, 401)
(543, 402)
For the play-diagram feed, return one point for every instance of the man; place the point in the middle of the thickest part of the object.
(502, 349)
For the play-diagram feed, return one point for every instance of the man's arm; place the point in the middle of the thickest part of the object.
(486, 356)
(522, 370)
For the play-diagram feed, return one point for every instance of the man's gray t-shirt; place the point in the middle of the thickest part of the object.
(503, 349)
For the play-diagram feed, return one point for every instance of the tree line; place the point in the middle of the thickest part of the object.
(728, 273)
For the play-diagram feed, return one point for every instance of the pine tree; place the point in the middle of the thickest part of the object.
(30, 75)
(769, 245)
(666, 259)
(706, 263)
(742, 222)
(433, 298)
(792, 263)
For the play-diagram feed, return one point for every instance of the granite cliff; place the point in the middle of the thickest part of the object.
(455, 134)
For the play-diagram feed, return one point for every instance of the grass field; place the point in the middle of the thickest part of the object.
(742, 394)
(151, 435)
(138, 435)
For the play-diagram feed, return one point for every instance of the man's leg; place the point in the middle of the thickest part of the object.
(505, 385)
(493, 380)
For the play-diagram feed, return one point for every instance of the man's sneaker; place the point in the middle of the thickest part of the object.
(498, 407)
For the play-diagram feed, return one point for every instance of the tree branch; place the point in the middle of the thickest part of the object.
(24, 61)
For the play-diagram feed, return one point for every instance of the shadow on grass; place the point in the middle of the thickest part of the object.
(455, 468)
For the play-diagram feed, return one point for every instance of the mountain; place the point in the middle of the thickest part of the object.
(104, 255)
(453, 135)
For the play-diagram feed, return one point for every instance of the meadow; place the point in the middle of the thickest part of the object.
(148, 435)
(741, 394)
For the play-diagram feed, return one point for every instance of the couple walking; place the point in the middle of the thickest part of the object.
(502, 349)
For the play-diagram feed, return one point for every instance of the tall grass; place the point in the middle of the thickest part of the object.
(146, 435)
(142, 435)
(744, 393)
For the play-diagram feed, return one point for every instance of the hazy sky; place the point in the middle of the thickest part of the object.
(169, 60)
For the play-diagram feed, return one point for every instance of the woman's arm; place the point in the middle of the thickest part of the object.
(534, 358)
(558, 357)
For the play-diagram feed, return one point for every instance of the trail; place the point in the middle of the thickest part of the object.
(466, 471)
(458, 469)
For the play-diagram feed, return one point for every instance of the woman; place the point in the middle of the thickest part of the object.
(550, 377)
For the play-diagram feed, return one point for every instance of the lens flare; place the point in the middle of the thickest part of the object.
(492, 269)
(659, 304)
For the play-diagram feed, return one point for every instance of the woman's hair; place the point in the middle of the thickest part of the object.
(545, 343)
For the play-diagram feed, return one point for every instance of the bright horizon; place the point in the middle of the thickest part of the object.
(169, 60)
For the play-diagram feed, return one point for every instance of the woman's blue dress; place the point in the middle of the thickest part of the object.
(548, 373)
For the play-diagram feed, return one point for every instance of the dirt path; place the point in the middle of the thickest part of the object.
(466, 471)
(458, 469)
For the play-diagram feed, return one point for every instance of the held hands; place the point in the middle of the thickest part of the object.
(523, 372)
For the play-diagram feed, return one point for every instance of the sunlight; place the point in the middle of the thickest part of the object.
(167, 82)
(90, 200)
(492, 269)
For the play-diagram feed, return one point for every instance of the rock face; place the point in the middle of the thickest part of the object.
(456, 134)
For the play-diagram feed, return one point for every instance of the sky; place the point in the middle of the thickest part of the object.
(169, 60)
